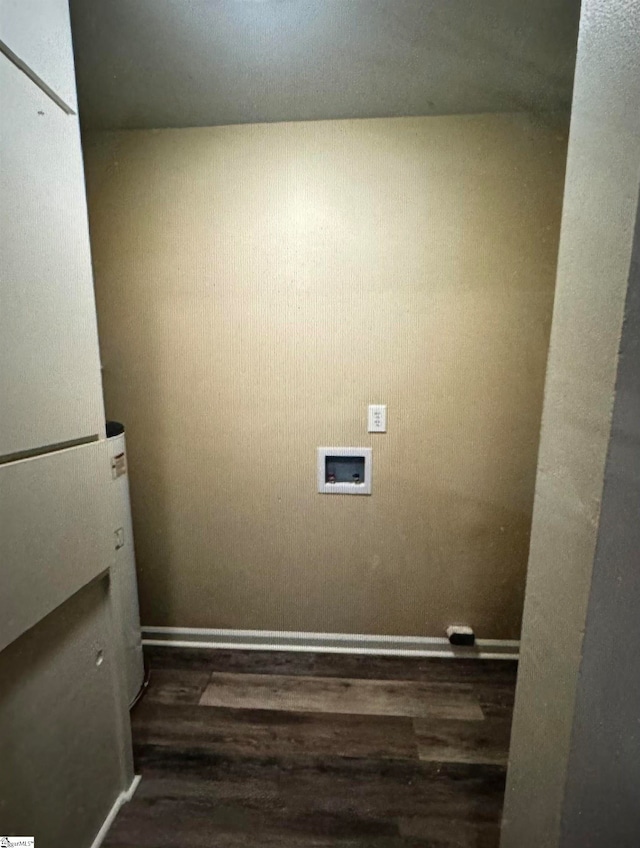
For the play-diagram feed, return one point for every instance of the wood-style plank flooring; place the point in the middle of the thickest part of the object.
(264, 749)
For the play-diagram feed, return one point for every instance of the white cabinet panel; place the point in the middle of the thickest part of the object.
(62, 743)
(50, 385)
(38, 33)
(55, 527)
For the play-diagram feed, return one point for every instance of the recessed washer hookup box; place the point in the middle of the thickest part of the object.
(344, 471)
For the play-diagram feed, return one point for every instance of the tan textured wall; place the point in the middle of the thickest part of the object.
(574, 764)
(257, 287)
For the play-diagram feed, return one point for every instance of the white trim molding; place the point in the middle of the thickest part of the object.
(332, 643)
(122, 798)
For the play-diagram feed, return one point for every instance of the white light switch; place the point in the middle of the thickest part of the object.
(377, 419)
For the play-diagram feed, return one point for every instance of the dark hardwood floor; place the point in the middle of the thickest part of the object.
(254, 748)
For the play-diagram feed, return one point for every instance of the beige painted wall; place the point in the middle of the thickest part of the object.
(257, 287)
(575, 749)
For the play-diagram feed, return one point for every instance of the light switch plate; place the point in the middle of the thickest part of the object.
(377, 418)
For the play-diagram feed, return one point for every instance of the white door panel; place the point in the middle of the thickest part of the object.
(38, 33)
(56, 531)
(50, 384)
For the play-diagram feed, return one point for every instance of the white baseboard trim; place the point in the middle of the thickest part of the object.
(333, 643)
(122, 798)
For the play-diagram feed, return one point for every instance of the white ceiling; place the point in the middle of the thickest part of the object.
(178, 63)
